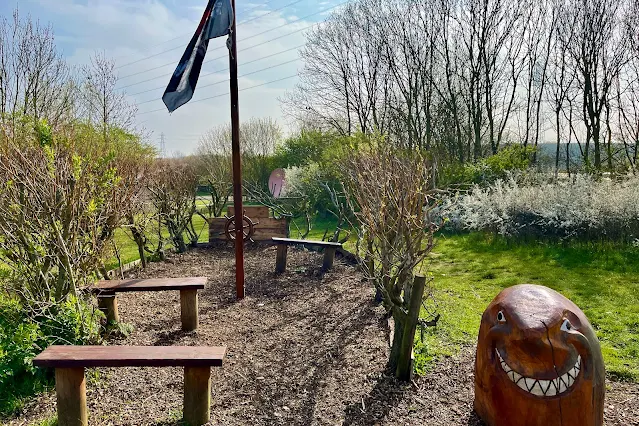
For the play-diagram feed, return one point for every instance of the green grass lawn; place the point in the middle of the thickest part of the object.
(469, 270)
(129, 251)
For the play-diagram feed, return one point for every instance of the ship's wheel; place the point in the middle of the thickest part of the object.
(248, 228)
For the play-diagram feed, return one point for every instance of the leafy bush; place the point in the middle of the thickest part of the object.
(18, 343)
(488, 170)
(62, 194)
(22, 338)
(579, 208)
(309, 146)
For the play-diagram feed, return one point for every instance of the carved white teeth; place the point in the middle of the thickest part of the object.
(542, 387)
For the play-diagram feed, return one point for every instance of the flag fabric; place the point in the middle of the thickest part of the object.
(216, 22)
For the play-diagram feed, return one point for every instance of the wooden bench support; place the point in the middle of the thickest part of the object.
(108, 304)
(70, 388)
(280, 260)
(70, 361)
(197, 395)
(188, 287)
(188, 305)
(329, 256)
(282, 245)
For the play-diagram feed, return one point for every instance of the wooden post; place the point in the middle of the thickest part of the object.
(197, 395)
(280, 260)
(108, 304)
(237, 161)
(329, 256)
(188, 305)
(70, 389)
(404, 364)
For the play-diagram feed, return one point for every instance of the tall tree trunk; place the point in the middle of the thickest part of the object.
(558, 144)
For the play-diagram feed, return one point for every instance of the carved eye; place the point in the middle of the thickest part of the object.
(501, 317)
(566, 326)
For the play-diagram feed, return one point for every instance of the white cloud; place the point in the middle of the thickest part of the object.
(129, 30)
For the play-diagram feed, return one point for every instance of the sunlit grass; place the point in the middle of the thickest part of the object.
(128, 250)
(469, 271)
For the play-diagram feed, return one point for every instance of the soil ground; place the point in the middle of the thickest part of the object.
(303, 349)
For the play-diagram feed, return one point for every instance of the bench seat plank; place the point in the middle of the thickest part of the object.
(291, 241)
(152, 284)
(68, 356)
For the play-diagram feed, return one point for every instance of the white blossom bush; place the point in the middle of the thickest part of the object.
(581, 207)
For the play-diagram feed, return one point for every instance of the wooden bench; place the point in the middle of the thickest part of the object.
(188, 287)
(70, 361)
(282, 249)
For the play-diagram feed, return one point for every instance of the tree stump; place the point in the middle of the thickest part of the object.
(70, 388)
(188, 305)
(197, 395)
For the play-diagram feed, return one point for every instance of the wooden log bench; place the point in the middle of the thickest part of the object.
(70, 361)
(188, 287)
(282, 249)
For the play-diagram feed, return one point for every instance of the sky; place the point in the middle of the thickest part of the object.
(146, 39)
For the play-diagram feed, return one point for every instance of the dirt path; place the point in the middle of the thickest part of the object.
(302, 350)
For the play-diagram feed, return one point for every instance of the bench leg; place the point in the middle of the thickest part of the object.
(109, 305)
(188, 304)
(197, 395)
(280, 260)
(70, 389)
(329, 256)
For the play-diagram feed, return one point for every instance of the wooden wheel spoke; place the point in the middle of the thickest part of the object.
(247, 228)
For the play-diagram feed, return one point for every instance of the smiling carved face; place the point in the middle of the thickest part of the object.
(538, 362)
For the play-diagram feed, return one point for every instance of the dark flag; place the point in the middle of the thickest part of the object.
(216, 22)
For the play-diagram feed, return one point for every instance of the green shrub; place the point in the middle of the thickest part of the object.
(302, 149)
(22, 338)
(487, 170)
(18, 342)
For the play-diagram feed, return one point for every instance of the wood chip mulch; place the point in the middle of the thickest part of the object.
(303, 349)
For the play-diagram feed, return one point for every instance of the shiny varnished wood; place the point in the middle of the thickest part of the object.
(531, 340)
(152, 284)
(130, 356)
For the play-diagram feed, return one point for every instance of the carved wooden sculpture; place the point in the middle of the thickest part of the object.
(538, 362)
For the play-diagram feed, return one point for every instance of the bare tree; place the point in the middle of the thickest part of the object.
(214, 159)
(35, 81)
(172, 187)
(394, 203)
(461, 78)
(344, 82)
(562, 79)
(627, 92)
(598, 52)
(104, 105)
(258, 138)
